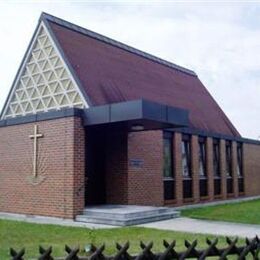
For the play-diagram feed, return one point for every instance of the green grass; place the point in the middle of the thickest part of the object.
(20, 234)
(242, 212)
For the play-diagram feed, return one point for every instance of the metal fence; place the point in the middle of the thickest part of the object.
(249, 250)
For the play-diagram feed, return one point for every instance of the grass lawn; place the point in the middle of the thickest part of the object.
(241, 212)
(20, 234)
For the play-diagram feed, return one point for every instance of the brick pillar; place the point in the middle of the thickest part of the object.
(209, 167)
(223, 169)
(178, 168)
(245, 161)
(195, 168)
(234, 169)
(79, 167)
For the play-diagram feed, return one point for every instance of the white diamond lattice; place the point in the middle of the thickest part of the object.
(44, 83)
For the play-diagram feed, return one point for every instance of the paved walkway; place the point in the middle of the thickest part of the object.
(51, 221)
(206, 227)
(177, 224)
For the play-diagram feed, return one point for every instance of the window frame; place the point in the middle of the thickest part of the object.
(202, 157)
(240, 173)
(186, 143)
(167, 136)
(216, 158)
(229, 159)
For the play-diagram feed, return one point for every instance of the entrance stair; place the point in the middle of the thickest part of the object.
(125, 215)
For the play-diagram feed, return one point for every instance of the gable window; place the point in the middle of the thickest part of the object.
(44, 83)
(168, 177)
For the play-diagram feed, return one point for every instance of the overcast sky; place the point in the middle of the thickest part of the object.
(220, 41)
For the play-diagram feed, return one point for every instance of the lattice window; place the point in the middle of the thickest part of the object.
(44, 83)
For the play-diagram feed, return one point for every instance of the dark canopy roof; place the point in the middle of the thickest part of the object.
(111, 72)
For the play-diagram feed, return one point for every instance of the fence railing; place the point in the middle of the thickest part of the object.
(249, 250)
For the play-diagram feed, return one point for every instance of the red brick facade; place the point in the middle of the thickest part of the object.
(133, 169)
(59, 188)
(145, 181)
(251, 154)
(127, 183)
(143, 185)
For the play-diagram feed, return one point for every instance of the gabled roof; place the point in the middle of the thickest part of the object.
(108, 71)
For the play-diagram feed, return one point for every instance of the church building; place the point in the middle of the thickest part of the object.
(92, 121)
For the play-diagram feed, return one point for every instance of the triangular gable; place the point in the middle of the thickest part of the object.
(44, 81)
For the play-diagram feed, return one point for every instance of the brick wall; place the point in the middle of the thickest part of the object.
(145, 183)
(59, 188)
(251, 155)
(142, 184)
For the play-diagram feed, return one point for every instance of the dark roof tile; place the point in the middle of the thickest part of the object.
(112, 73)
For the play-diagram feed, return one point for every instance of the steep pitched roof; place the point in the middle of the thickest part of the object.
(108, 71)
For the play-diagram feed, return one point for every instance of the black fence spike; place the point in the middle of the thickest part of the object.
(41, 250)
(122, 251)
(45, 253)
(72, 253)
(169, 251)
(93, 248)
(67, 249)
(250, 248)
(17, 255)
(98, 254)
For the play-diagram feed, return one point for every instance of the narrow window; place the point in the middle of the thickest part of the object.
(202, 157)
(167, 155)
(240, 167)
(216, 158)
(216, 167)
(239, 160)
(186, 156)
(168, 176)
(186, 166)
(202, 167)
(228, 159)
(229, 167)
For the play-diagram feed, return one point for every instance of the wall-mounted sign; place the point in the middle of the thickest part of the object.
(136, 163)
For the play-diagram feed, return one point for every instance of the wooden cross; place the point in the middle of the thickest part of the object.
(35, 137)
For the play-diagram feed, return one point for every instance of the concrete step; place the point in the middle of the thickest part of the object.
(126, 215)
(118, 215)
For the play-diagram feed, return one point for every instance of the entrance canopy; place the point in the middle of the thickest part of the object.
(137, 115)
